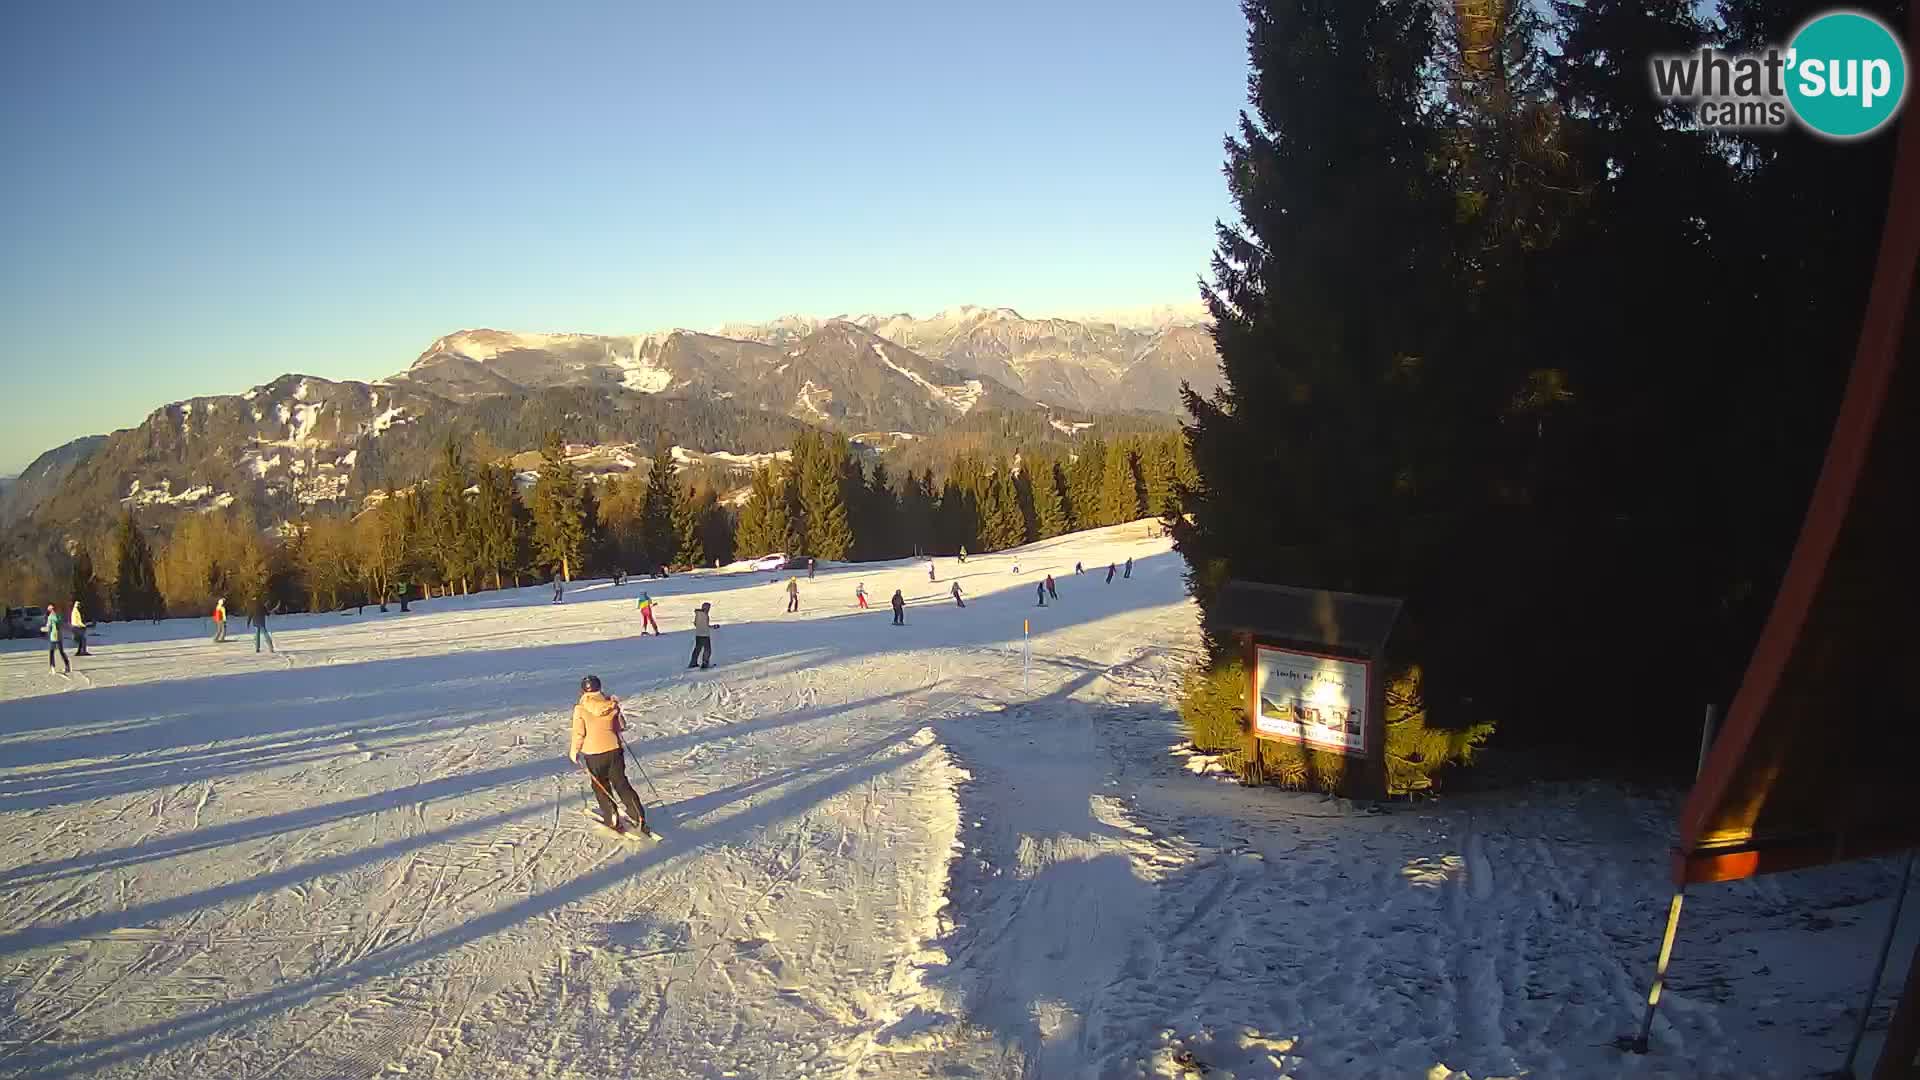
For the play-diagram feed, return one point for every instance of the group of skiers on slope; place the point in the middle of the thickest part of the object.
(598, 721)
(256, 618)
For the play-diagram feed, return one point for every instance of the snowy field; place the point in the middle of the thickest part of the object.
(366, 857)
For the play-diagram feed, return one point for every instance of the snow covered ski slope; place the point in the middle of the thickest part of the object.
(365, 857)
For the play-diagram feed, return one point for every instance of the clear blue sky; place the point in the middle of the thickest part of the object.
(199, 197)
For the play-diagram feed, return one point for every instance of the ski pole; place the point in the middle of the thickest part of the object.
(658, 801)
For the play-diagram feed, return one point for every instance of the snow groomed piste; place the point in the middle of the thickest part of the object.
(367, 857)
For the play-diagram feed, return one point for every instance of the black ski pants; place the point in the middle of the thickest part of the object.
(609, 772)
(702, 651)
(53, 645)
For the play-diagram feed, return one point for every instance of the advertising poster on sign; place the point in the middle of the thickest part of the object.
(1309, 699)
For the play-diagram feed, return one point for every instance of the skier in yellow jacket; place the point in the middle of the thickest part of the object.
(597, 724)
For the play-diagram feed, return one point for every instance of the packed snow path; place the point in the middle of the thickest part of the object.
(366, 856)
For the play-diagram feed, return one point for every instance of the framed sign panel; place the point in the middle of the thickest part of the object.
(1319, 701)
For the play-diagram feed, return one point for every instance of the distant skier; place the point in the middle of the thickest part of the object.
(702, 637)
(1077, 568)
(1052, 592)
(597, 724)
(899, 609)
(54, 644)
(930, 574)
(809, 569)
(860, 595)
(793, 595)
(1016, 568)
(79, 626)
(1129, 572)
(220, 620)
(956, 595)
(257, 618)
(646, 615)
(558, 590)
(619, 577)
(1110, 569)
(963, 553)
(1040, 591)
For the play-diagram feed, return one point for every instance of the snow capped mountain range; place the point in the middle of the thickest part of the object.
(300, 441)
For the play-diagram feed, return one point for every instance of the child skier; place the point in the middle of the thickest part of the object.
(899, 609)
(702, 638)
(860, 595)
(793, 594)
(1109, 573)
(1052, 592)
(1129, 572)
(956, 595)
(220, 620)
(930, 575)
(556, 588)
(597, 724)
(1040, 590)
(1077, 568)
(646, 616)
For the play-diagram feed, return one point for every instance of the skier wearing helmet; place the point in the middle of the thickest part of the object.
(597, 724)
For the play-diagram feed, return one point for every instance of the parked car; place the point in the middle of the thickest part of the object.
(776, 561)
(26, 621)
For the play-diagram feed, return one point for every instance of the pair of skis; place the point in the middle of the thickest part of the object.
(632, 835)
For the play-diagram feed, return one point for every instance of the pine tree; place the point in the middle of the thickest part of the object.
(879, 524)
(136, 589)
(690, 513)
(1122, 497)
(1084, 478)
(560, 532)
(497, 524)
(452, 537)
(1002, 525)
(916, 513)
(1157, 467)
(659, 537)
(765, 525)
(829, 532)
(1049, 500)
(84, 587)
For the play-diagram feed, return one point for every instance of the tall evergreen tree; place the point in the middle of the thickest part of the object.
(878, 526)
(454, 540)
(765, 525)
(1002, 525)
(829, 530)
(1049, 500)
(660, 538)
(498, 525)
(1320, 289)
(917, 505)
(1122, 494)
(560, 524)
(136, 589)
(1084, 478)
(84, 587)
(690, 514)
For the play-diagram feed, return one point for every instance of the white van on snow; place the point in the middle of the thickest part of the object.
(775, 561)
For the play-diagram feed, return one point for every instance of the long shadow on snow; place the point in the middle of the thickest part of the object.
(78, 1059)
(254, 828)
(279, 702)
